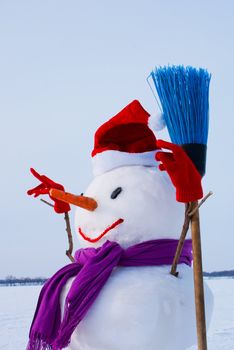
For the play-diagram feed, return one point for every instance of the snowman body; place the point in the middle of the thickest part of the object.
(139, 308)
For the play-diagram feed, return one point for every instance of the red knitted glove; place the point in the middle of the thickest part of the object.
(44, 188)
(181, 170)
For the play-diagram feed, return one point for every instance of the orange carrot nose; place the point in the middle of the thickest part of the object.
(81, 201)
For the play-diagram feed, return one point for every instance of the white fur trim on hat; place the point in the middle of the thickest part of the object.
(157, 122)
(108, 160)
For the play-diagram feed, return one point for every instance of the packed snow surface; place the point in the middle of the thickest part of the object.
(17, 305)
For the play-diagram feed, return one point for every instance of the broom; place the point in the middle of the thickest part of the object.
(184, 96)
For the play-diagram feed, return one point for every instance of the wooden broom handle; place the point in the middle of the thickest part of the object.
(198, 279)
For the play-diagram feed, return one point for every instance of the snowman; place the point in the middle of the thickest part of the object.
(119, 293)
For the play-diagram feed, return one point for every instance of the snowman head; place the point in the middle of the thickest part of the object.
(129, 200)
(134, 204)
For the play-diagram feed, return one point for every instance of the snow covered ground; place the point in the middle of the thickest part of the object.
(17, 306)
(221, 331)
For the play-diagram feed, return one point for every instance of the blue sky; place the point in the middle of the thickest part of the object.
(65, 68)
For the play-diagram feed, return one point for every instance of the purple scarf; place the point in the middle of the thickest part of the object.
(91, 269)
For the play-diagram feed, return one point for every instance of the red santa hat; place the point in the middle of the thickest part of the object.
(125, 139)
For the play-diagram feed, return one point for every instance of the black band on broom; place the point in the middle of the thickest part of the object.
(184, 97)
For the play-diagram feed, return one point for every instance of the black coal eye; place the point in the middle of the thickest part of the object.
(116, 192)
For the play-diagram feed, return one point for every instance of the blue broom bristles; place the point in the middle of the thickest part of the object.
(184, 97)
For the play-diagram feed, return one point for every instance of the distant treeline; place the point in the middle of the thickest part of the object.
(229, 273)
(23, 281)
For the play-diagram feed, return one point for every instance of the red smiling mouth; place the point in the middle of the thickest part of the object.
(93, 240)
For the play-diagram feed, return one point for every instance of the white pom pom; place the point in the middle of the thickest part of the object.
(157, 122)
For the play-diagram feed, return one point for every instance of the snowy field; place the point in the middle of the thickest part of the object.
(17, 306)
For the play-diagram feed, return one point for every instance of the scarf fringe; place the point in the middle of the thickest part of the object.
(37, 343)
